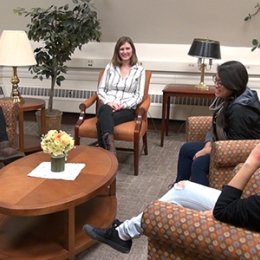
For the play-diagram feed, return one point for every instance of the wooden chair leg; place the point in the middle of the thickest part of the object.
(77, 140)
(76, 136)
(136, 156)
(145, 144)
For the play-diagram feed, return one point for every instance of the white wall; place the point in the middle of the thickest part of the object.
(164, 21)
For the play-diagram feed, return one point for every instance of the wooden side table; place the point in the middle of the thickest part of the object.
(28, 142)
(42, 218)
(180, 90)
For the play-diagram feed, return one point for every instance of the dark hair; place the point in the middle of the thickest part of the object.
(234, 76)
(116, 60)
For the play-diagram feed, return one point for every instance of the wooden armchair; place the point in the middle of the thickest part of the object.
(10, 111)
(179, 233)
(131, 131)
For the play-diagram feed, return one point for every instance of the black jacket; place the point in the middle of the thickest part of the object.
(230, 208)
(243, 117)
(239, 120)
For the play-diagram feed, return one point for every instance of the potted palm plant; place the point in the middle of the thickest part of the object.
(59, 32)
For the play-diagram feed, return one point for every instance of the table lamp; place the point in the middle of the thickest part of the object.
(15, 51)
(204, 49)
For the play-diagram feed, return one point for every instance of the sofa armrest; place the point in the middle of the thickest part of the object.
(225, 155)
(192, 233)
(230, 153)
(197, 127)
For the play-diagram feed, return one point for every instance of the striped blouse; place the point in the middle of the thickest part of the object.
(128, 91)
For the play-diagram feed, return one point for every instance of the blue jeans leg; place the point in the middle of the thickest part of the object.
(200, 170)
(185, 160)
(188, 195)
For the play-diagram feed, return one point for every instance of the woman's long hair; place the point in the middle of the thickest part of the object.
(116, 60)
(234, 77)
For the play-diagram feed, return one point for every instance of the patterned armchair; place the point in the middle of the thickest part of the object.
(10, 110)
(179, 233)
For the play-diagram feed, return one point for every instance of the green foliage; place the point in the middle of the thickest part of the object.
(59, 30)
(255, 42)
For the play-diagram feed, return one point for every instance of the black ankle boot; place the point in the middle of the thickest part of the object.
(109, 143)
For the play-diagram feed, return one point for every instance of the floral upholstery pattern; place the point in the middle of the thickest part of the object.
(179, 233)
(10, 111)
(196, 127)
(225, 156)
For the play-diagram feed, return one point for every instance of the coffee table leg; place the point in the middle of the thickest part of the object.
(69, 234)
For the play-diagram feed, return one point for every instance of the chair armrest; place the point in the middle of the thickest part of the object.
(83, 106)
(197, 127)
(88, 102)
(197, 234)
(141, 113)
(230, 153)
(144, 105)
(225, 155)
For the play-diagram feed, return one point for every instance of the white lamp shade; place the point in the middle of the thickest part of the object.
(16, 49)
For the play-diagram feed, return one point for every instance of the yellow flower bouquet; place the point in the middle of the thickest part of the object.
(57, 143)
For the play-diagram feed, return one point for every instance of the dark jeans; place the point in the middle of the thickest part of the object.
(196, 170)
(3, 133)
(107, 119)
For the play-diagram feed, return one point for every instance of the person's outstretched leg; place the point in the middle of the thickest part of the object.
(186, 194)
(185, 159)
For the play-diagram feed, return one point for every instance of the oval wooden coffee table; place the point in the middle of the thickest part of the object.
(43, 218)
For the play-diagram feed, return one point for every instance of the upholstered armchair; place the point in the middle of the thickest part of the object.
(225, 155)
(10, 111)
(178, 233)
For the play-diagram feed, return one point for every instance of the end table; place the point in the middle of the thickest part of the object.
(180, 90)
(27, 142)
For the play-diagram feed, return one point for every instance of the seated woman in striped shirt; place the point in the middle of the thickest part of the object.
(120, 90)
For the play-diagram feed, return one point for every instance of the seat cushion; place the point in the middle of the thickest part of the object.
(124, 132)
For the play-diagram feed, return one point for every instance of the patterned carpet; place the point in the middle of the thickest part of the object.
(157, 170)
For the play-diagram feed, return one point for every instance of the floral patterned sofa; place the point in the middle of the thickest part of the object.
(179, 233)
(10, 111)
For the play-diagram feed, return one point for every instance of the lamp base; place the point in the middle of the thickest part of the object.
(15, 94)
(16, 98)
(202, 86)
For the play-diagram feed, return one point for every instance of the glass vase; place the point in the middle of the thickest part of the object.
(57, 163)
